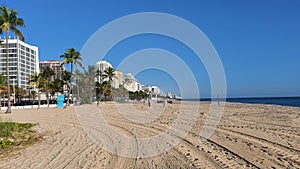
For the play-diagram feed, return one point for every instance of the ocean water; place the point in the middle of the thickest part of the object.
(283, 101)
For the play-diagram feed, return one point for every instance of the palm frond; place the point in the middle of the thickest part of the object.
(18, 33)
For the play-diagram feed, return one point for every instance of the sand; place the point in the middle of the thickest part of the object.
(248, 136)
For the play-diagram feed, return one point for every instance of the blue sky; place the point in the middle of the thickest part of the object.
(258, 42)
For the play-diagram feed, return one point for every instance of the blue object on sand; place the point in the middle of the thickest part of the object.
(60, 101)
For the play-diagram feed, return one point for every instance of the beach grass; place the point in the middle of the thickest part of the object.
(14, 135)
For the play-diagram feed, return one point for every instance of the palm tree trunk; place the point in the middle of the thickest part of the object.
(29, 97)
(47, 96)
(77, 87)
(39, 96)
(70, 89)
(68, 99)
(7, 77)
(33, 99)
(1, 101)
(71, 85)
(3, 98)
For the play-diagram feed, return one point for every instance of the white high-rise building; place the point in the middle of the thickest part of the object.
(23, 61)
(117, 80)
(102, 65)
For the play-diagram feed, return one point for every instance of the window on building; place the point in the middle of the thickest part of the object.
(13, 73)
(12, 50)
(12, 60)
(12, 64)
(12, 68)
(12, 45)
(12, 55)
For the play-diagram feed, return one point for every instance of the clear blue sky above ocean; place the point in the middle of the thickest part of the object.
(257, 41)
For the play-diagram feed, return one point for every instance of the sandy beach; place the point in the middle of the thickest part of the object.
(248, 136)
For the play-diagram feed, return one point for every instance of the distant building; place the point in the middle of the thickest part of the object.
(117, 80)
(133, 87)
(129, 78)
(23, 61)
(130, 83)
(155, 90)
(102, 65)
(139, 86)
(55, 65)
(146, 88)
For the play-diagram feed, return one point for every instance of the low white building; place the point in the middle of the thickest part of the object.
(146, 88)
(130, 83)
(155, 90)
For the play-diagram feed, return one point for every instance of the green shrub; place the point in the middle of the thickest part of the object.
(5, 143)
(15, 134)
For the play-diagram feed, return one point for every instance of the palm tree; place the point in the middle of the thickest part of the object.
(66, 78)
(35, 80)
(10, 21)
(33, 94)
(77, 76)
(99, 75)
(99, 89)
(54, 87)
(89, 81)
(109, 73)
(20, 93)
(71, 56)
(46, 75)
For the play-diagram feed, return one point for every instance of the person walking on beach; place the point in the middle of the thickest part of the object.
(98, 102)
(149, 98)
